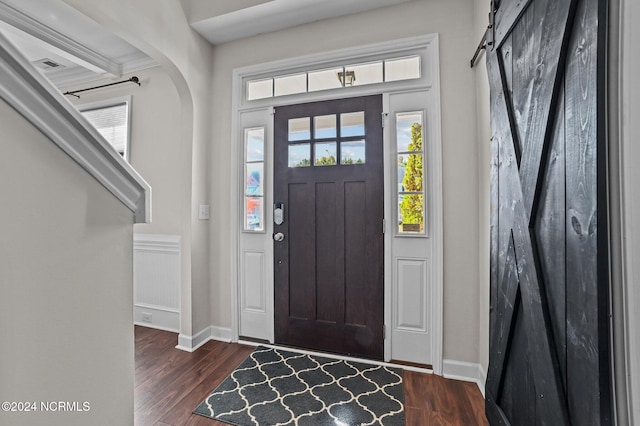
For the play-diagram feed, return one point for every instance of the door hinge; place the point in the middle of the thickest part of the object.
(384, 225)
(272, 110)
(384, 332)
(384, 118)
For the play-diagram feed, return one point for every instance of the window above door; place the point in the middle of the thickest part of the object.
(380, 71)
(355, 71)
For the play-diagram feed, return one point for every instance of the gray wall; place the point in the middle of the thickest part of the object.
(65, 285)
(157, 151)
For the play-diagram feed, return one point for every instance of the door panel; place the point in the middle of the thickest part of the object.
(329, 267)
(549, 356)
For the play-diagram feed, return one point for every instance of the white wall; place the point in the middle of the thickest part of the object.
(157, 151)
(483, 139)
(453, 20)
(160, 29)
(65, 284)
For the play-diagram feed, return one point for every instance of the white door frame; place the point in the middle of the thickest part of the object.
(250, 112)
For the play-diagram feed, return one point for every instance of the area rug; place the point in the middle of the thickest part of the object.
(276, 387)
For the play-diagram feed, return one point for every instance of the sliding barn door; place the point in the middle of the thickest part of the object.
(549, 349)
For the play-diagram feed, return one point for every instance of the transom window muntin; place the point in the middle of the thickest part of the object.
(356, 74)
(327, 140)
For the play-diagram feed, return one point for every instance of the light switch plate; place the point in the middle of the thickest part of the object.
(203, 212)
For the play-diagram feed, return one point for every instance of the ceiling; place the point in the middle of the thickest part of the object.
(222, 21)
(70, 48)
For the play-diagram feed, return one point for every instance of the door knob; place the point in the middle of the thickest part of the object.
(278, 237)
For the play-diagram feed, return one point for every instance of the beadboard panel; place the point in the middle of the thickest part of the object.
(156, 270)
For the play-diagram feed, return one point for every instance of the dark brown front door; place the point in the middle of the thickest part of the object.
(549, 343)
(329, 265)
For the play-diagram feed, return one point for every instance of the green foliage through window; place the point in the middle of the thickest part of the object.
(412, 205)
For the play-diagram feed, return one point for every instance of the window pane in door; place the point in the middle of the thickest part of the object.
(352, 124)
(254, 218)
(325, 126)
(325, 154)
(409, 131)
(411, 213)
(255, 145)
(299, 129)
(352, 152)
(410, 173)
(254, 179)
(300, 155)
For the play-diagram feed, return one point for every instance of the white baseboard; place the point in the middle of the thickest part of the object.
(465, 371)
(191, 343)
(222, 334)
(156, 317)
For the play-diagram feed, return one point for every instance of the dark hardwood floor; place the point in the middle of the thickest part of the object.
(170, 383)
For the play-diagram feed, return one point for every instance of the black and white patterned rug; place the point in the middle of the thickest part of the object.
(276, 387)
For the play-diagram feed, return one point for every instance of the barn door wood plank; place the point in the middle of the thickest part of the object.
(495, 237)
(507, 16)
(499, 96)
(587, 351)
(550, 234)
(507, 304)
(549, 41)
(495, 415)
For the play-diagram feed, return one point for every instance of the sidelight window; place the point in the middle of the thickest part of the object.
(254, 179)
(410, 174)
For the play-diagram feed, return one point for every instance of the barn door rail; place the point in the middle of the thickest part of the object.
(487, 37)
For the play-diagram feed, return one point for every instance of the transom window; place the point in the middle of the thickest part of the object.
(327, 140)
(359, 74)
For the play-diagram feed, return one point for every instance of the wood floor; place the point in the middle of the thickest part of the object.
(170, 383)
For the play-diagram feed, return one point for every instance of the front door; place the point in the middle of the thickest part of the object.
(328, 239)
(549, 350)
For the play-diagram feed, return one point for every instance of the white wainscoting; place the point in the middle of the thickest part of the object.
(156, 281)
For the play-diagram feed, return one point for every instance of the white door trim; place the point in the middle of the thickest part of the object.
(427, 47)
(624, 89)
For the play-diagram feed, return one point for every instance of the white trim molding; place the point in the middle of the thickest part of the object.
(35, 98)
(624, 101)
(191, 343)
(465, 371)
(95, 61)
